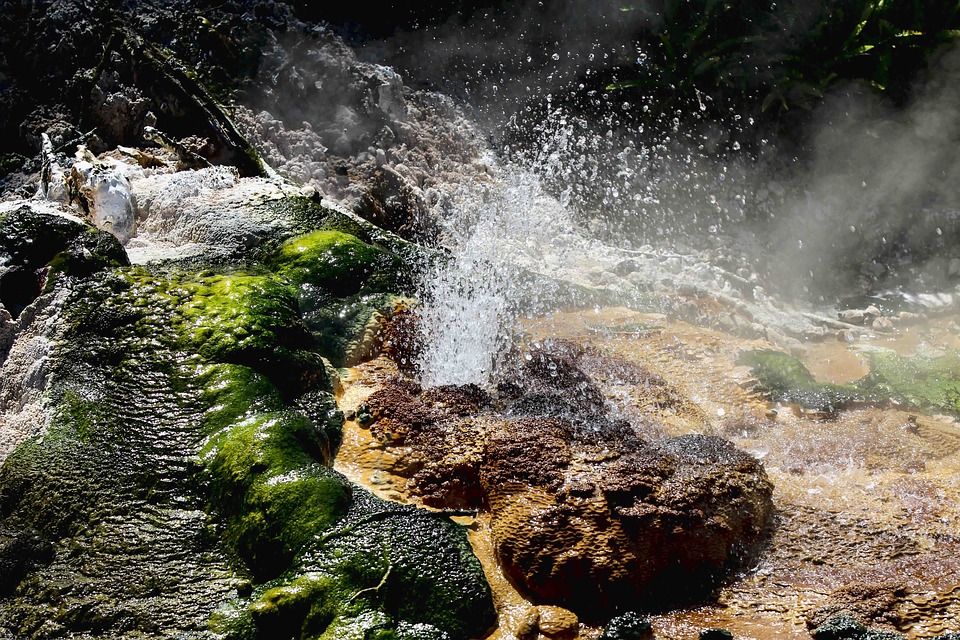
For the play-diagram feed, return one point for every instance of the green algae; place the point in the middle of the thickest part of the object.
(337, 262)
(308, 216)
(265, 477)
(252, 320)
(344, 286)
(786, 380)
(925, 382)
(357, 580)
(921, 382)
(227, 315)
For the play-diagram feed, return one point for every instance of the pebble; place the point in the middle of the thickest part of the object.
(557, 622)
(882, 324)
(529, 627)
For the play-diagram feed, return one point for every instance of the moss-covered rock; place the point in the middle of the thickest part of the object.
(357, 582)
(785, 379)
(252, 320)
(107, 486)
(344, 286)
(189, 456)
(337, 262)
(925, 382)
(37, 248)
(268, 481)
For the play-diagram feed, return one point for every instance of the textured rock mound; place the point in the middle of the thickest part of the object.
(610, 525)
(39, 243)
(584, 513)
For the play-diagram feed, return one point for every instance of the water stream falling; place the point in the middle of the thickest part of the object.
(499, 233)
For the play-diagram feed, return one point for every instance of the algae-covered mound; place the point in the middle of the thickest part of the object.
(186, 471)
(924, 382)
(366, 577)
(344, 285)
(785, 379)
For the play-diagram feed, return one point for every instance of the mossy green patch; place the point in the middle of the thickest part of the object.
(785, 379)
(339, 263)
(263, 465)
(923, 382)
(85, 417)
(365, 577)
(225, 315)
(926, 382)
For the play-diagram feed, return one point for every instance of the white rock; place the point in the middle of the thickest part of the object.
(24, 371)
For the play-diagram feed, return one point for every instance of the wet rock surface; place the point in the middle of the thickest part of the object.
(172, 428)
(173, 477)
(584, 513)
(39, 244)
(870, 536)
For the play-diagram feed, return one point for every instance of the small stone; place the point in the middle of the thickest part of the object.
(629, 626)
(557, 622)
(364, 417)
(529, 627)
(625, 267)
(882, 324)
(715, 634)
(846, 335)
(726, 322)
(853, 316)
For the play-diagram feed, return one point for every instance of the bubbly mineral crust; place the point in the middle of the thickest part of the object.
(626, 525)
(585, 514)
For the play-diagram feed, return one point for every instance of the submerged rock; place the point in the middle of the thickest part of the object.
(927, 382)
(584, 514)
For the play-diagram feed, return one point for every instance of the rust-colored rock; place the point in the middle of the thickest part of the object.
(662, 522)
(585, 514)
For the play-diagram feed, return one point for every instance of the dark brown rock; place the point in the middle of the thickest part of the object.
(655, 522)
(585, 514)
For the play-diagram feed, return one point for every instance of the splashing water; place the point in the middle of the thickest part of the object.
(500, 234)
